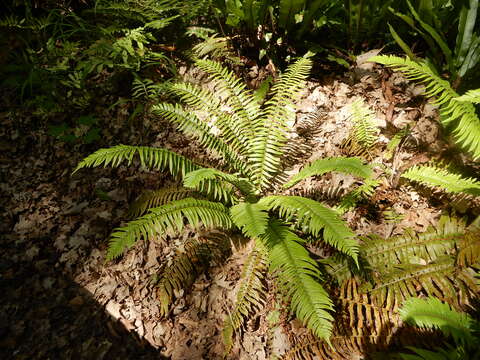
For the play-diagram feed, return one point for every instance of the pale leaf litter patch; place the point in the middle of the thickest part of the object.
(193, 330)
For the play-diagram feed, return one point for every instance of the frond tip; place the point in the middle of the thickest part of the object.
(434, 177)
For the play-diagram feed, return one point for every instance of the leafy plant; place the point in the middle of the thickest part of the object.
(458, 117)
(251, 139)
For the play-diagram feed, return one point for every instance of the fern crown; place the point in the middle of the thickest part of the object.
(250, 137)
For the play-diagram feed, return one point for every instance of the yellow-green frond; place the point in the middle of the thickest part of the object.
(435, 177)
(169, 217)
(271, 130)
(319, 167)
(298, 276)
(314, 217)
(244, 107)
(152, 158)
(252, 219)
(195, 178)
(364, 132)
(459, 114)
(472, 96)
(154, 198)
(192, 126)
(231, 130)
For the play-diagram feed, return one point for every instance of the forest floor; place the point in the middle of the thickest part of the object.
(61, 300)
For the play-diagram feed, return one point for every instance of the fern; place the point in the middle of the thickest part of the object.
(251, 139)
(315, 217)
(250, 296)
(217, 48)
(450, 182)
(456, 114)
(272, 128)
(319, 167)
(169, 217)
(155, 198)
(364, 132)
(297, 274)
(432, 313)
(251, 218)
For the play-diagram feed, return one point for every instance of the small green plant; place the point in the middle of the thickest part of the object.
(242, 195)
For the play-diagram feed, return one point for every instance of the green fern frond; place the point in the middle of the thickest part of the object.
(251, 218)
(242, 102)
(231, 130)
(319, 167)
(314, 217)
(195, 178)
(250, 296)
(153, 158)
(364, 131)
(189, 262)
(272, 129)
(435, 177)
(440, 354)
(472, 96)
(297, 274)
(192, 126)
(431, 313)
(469, 248)
(460, 115)
(217, 48)
(154, 198)
(169, 217)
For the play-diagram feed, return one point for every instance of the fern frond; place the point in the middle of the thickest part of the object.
(472, 96)
(191, 125)
(364, 131)
(152, 158)
(250, 296)
(413, 247)
(297, 274)
(272, 129)
(217, 48)
(252, 219)
(460, 115)
(435, 177)
(319, 167)
(194, 178)
(231, 131)
(169, 217)
(244, 105)
(154, 198)
(158, 159)
(469, 248)
(431, 313)
(189, 262)
(314, 217)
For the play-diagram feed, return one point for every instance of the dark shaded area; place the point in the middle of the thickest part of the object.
(45, 315)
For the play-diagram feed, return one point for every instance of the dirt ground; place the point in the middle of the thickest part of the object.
(61, 300)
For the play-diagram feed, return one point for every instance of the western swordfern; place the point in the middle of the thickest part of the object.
(241, 196)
